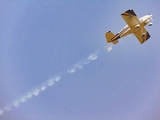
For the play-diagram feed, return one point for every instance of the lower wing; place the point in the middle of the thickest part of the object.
(142, 35)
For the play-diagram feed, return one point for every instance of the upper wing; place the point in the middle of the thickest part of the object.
(130, 18)
(142, 35)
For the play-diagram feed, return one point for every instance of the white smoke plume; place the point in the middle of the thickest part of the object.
(8, 108)
(1, 112)
(36, 92)
(29, 95)
(23, 99)
(80, 64)
(16, 104)
(50, 82)
(109, 47)
(43, 88)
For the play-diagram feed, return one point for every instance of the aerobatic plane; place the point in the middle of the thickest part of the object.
(134, 25)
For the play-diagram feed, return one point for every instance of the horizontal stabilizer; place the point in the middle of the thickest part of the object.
(115, 42)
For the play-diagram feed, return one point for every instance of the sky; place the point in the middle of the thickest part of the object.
(55, 63)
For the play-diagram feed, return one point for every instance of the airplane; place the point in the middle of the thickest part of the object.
(134, 25)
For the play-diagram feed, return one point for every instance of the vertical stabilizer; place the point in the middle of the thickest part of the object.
(109, 35)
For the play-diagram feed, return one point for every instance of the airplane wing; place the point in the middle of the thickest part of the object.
(142, 35)
(130, 18)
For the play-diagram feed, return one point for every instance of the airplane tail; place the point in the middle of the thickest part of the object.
(109, 35)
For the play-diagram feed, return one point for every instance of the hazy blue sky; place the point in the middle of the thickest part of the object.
(54, 64)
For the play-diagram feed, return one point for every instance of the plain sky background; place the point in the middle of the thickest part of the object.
(41, 40)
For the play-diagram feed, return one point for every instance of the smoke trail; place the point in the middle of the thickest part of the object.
(50, 82)
(1, 112)
(43, 88)
(16, 104)
(35, 92)
(29, 95)
(80, 64)
(8, 108)
(109, 47)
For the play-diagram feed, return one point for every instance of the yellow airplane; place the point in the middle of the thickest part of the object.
(134, 25)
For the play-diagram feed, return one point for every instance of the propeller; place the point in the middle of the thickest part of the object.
(151, 18)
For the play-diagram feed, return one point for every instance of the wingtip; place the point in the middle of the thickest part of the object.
(130, 11)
